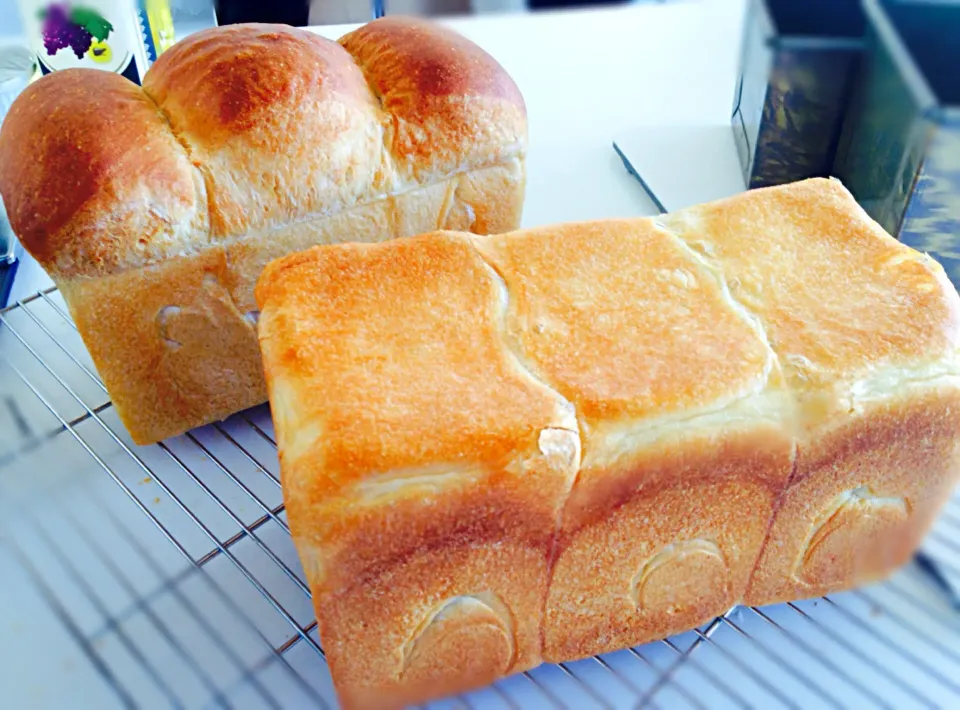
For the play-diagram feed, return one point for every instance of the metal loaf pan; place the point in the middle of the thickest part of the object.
(798, 62)
(900, 151)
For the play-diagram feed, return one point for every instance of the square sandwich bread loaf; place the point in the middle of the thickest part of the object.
(568, 440)
(155, 209)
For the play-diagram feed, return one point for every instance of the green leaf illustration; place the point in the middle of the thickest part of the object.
(92, 21)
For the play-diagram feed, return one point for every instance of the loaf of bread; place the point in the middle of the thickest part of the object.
(155, 209)
(568, 440)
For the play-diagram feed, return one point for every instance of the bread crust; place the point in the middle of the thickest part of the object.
(92, 179)
(866, 332)
(449, 100)
(245, 143)
(746, 432)
(379, 510)
(862, 497)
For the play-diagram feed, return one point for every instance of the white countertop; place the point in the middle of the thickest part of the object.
(590, 76)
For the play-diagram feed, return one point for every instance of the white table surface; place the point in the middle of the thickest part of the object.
(591, 76)
(587, 77)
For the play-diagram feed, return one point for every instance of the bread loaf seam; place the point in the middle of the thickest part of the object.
(252, 236)
(515, 351)
(658, 426)
(761, 331)
(203, 184)
(390, 126)
(757, 322)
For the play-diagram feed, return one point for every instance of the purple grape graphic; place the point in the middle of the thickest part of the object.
(56, 29)
(76, 28)
(80, 40)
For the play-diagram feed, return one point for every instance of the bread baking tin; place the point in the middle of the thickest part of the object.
(900, 154)
(798, 62)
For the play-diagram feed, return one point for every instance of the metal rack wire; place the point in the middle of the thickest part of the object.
(170, 571)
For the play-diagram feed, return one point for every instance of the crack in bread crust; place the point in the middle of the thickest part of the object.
(514, 349)
(511, 347)
(202, 179)
(610, 445)
(755, 321)
(751, 318)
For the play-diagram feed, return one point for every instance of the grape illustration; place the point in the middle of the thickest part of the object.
(56, 29)
(74, 28)
(80, 41)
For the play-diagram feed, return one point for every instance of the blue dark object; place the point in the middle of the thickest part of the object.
(8, 255)
(798, 63)
(639, 178)
(143, 26)
(946, 582)
(900, 153)
(7, 272)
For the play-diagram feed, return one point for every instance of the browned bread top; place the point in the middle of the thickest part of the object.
(447, 347)
(451, 101)
(412, 296)
(435, 300)
(280, 122)
(91, 175)
(616, 399)
(621, 343)
(850, 311)
(240, 130)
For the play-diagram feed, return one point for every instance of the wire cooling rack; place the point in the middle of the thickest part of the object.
(165, 576)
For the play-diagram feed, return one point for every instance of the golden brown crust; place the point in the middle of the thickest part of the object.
(863, 328)
(615, 316)
(863, 496)
(372, 502)
(449, 100)
(166, 369)
(664, 544)
(440, 634)
(280, 121)
(168, 374)
(740, 438)
(837, 296)
(648, 316)
(261, 125)
(91, 177)
(406, 294)
(245, 143)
